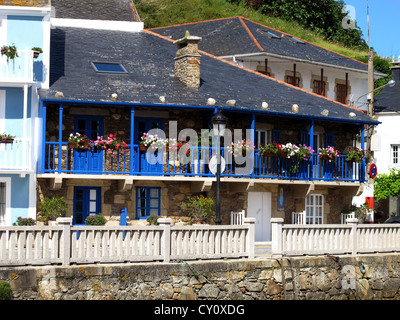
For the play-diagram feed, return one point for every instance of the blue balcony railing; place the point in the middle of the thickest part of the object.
(195, 163)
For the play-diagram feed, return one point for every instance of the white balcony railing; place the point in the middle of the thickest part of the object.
(16, 155)
(19, 69)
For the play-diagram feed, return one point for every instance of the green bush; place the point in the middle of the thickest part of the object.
(200, 209)
(5, 290)
(52, 208)
(95, 220)
(153, 219)
(24, 222)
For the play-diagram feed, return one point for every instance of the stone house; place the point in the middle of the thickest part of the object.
(108, 76)
(281, 56)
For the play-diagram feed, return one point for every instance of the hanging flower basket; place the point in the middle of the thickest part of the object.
(9, 51)
(6, 138)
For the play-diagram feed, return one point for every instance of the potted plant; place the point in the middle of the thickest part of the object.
(36, 52)
(329, 153)
(290, 150)
(10, 52)
(269, 150)
(52, 208)
(111, 144)
(304, 153)
(6, 138)
(79, 141)
(153, 219)
(153, 141)
(24, 222)
(357, 155)
(95, 220)
(241, 147)
(200, 209)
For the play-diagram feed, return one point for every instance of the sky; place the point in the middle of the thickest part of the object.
(384, 17)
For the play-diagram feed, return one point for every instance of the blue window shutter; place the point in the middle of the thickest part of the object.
(304, 138)
(329, 140)
(276, 135)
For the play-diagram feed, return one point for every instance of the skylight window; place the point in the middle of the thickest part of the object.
(297, 40)
(108, 67)
(272, 35)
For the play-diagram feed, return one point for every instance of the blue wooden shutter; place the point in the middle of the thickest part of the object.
(276, 135)
(304, 138)
(329, 140)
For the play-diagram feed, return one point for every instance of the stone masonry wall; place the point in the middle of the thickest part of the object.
(363, 277)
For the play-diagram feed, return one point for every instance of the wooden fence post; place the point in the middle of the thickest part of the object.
(165, 238)
(250, 236)
(276, 235)
(353, 222)
(65, 244)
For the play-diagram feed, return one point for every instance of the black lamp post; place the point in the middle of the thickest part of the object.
(219, 124)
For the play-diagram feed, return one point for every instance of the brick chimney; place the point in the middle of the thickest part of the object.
(187, 60)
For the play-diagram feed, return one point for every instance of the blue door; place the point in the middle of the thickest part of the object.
(150, 162)
(87, 201)
(89, 160)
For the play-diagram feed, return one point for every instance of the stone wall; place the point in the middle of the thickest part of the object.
(363, 277)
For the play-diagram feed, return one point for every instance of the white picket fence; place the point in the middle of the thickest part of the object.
(65, 244)
(350, 238)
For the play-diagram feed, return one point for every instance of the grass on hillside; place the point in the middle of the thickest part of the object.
(160, 13)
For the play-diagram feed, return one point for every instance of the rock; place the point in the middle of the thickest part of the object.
(209, 291)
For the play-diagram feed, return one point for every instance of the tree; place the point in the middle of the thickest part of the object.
(386, 185)
(323, 16)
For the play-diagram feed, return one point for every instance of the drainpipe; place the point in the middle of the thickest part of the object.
(24, 126)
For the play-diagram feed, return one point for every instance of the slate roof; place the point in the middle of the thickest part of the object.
(389, 98)
(25, 3)
(238, 35)
(115, 10)
(149, 60)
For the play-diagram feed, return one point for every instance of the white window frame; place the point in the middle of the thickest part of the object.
(266, 136)
(394, 154)
(7, 218)
(314, 205)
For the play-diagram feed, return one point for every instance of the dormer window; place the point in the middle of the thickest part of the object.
(108, 67)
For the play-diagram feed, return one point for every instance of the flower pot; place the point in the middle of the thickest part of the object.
(36, 54)
(269, 154)
(7, 141)
(142, 147)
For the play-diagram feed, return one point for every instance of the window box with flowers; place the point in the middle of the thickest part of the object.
(10, 52)
(6, 138)
(151, 141)
(241, 148)
(111, 144)
(269, 150)
(79, 141)
(358, 156)
(329, 154)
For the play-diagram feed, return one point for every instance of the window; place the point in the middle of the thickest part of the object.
(319, 87)
(108, 67)
(341, 93)
(315, 209)
(293, 81)
(395, 154)
(148, 201)
(270, 34)
(297, 40)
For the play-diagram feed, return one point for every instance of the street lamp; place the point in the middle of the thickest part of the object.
(391, 84)
(219, 124)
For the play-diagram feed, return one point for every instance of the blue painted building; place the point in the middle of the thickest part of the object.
(23, 26)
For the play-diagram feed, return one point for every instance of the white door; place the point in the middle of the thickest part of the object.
(259, 207)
